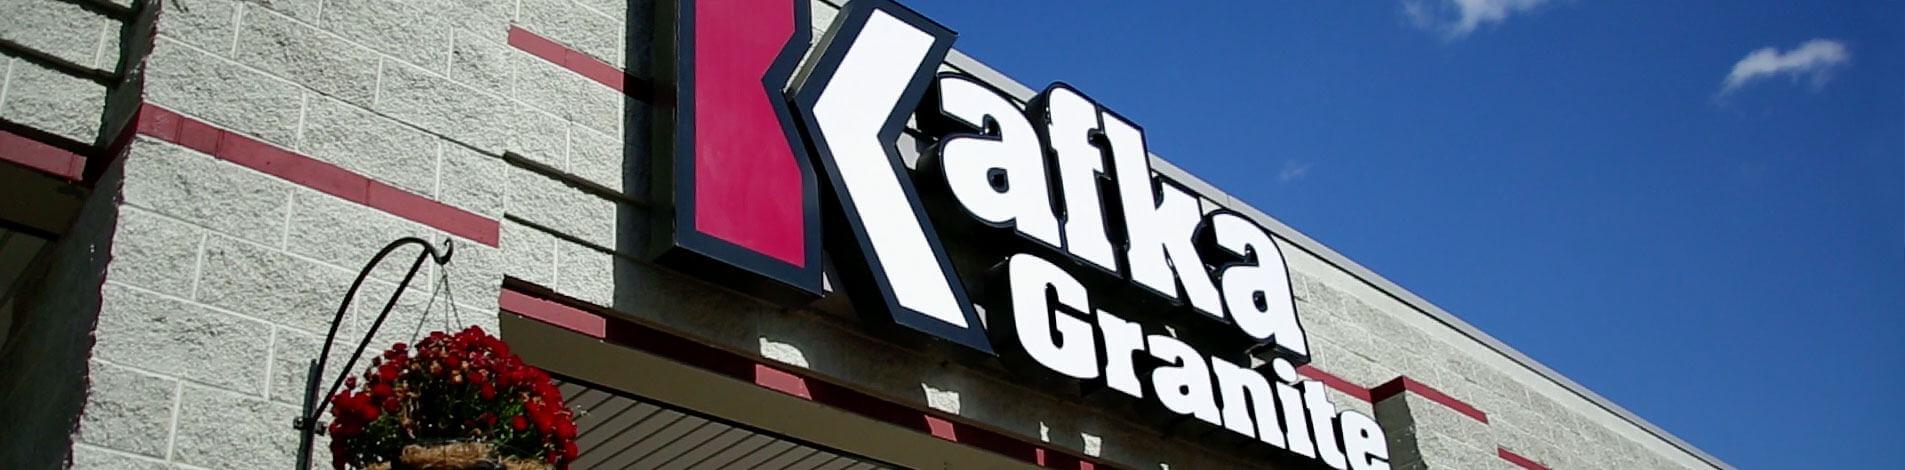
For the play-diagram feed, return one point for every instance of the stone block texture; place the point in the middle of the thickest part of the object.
(49, 100)
(212, 283)
(53, 86)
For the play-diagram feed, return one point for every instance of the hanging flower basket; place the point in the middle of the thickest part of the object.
(459, 401)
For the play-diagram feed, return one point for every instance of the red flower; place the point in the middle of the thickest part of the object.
(388, 372)
(406, 392)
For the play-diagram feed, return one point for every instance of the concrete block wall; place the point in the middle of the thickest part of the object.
(58, 64)
(222, 283)
(301, 139)
(233, 235)
(32, 91)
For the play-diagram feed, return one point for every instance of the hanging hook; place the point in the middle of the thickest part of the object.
(306, 422)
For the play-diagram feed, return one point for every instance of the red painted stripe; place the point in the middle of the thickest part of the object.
(435, 214)
(198, 135)
(1392, 388)
(1518, 460)
(322, 176)
(943, 429)
(553, 313)
(41, 156)
(599, 71)
(783, 381)
(539, 303)
(273, 160)
(1335, 382)
(537, 45)
(158, 122)
(1404, 383)
(568, 58)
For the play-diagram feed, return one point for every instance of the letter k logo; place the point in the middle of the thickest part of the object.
(742, 175)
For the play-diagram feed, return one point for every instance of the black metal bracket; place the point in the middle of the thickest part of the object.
(306, 422)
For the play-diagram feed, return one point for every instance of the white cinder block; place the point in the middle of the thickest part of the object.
(371, 145)
(208, 87)
(619, 9)
(273, 286)
(434, 103)
(127, 410)
(476, 277)
(86, 457)
(193, 187)
(63, 29)
(562, 92)
(155, 252)
(55, 102)
(563, 208)
(291, 352)
(480, 61)
(409, 31)
(601, 159)
(472, 180)
(219, 429)
(207, 24)
(539, 135)
(179, 338)
(301, 53)
(345, 234)
(528, 254)
(586, 273)
(589, 31)
(486, 19)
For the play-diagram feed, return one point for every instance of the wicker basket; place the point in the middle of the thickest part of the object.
(457, 456)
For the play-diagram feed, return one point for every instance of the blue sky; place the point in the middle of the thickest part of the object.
(1720, 251)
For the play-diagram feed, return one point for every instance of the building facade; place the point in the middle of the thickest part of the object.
(193, 185)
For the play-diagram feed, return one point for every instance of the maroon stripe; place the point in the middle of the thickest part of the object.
(1404, 383)
(784, 381)
(576, 61)
(553, 313)
(41, 156)
(1518, 460)
(1392, 388)
(537, 45)
(1335, 382)
(164, 124)
(435, 214)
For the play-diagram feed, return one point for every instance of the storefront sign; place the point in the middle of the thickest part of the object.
(1083, 260)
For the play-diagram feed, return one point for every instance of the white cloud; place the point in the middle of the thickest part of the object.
(1457, 18)
(1813, 61)
(1293, 170)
